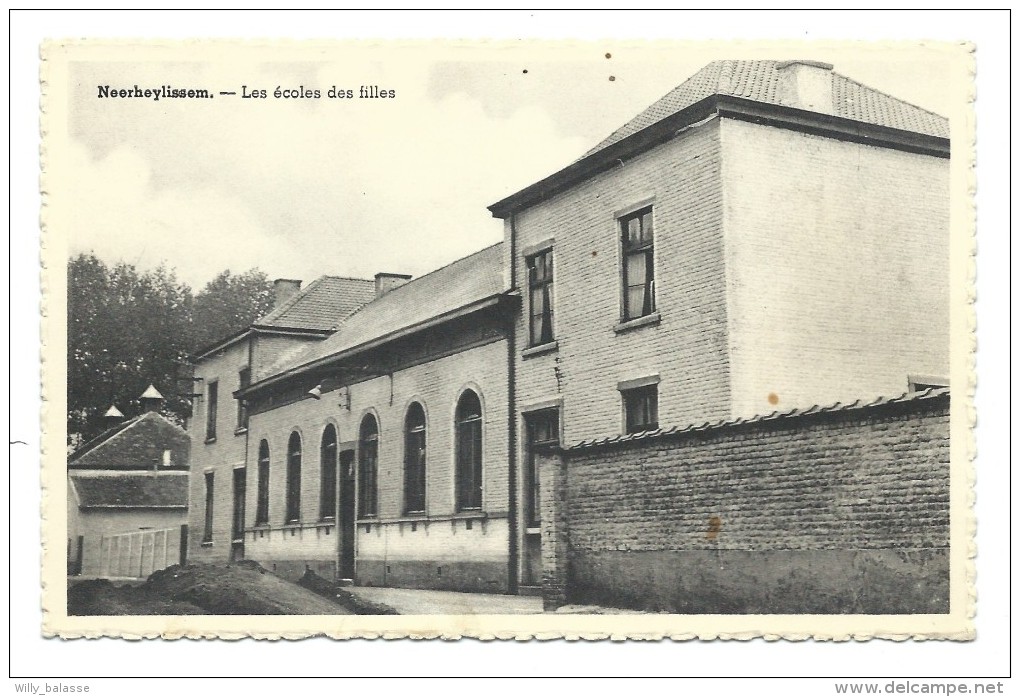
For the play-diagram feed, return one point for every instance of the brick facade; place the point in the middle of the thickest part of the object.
(440, 549)
(843, 511)
(219, 456)
(687, 347)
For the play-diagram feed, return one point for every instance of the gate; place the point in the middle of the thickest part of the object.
(138, 554)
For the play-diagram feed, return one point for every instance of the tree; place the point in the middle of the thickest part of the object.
(126, 330)
(228, 304)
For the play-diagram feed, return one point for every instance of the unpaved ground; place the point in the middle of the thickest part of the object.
(408, 601)
(244, 588)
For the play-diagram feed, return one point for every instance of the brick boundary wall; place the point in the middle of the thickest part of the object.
(836, 510)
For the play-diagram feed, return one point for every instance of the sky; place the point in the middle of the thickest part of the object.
(351, 187)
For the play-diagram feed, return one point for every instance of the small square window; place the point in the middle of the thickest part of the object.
(641, 408)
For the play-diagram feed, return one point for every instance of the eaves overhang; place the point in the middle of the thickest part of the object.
(617, 154)
(491, 301)
(257, 329)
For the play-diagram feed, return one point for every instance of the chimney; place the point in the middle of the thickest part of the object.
(385, 282)
(805, 85)
(151, 399)
(112, 417)
(284, 289)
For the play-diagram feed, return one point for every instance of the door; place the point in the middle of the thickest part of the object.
(541, 428)
(237, 524)
(345, 519)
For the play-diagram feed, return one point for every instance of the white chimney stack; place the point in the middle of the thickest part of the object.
(284, 289)
(385, 282)
(805, 85)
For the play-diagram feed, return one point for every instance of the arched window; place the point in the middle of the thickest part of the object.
(414, 459)
(293, 479)
(368, 467)
(327, 471)
(469, 451)
(262, 499)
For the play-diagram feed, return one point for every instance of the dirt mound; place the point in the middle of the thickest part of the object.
(330, 589)
(243, 588)
(101, 597)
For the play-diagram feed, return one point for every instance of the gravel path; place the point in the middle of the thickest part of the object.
(408, 601)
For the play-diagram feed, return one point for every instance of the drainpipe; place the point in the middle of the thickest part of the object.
(511, 377)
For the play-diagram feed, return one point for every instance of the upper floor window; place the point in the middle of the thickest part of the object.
(414, 460)
(638, 245)
(540, 297)
(243, 380)
(293, 478)
(212, 393)
(469, 451)
(327, 470)
(641, 408)
(368, 467)
(262, 495)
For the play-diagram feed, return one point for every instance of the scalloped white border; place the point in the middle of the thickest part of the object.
(958, 625)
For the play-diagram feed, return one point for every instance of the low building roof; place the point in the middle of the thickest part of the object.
(166, 490)
(313, 311)
(322, 304)
(135, 444)
(433, 296)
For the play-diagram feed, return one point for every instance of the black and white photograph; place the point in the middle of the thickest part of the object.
(505, 339)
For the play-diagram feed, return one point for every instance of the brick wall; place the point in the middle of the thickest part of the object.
(835, 512)
(837, 267)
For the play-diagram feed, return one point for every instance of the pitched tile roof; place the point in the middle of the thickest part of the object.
(468, 280)
(321, 304)
(932, 393)
(135, 444)
(167, 490)
(758, 80)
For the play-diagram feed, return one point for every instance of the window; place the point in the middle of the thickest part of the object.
(237, 528)
(540, 295)
(207, 533)
(641, 408)
(368, 466)
(638, 264)
(210, 412)
(262, 493)
(469, 452)
(243, 380)
(414, 459)
(293, 479)
(327, 490)
(543, 429)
